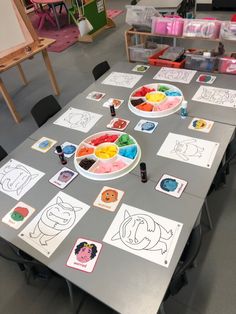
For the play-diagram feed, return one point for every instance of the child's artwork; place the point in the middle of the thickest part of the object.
(141, 68)
(216, 96)
(146, 126)
(44, 144)
(122, 79)
(95, 96)
(171, 185)
(53, 223)
(188, 149)
(113, 101)
(79, 120)
(108, 198)
(144, 234)
(17, 178)
(68, 149)
(18, 215)
(201, 125)
(118, 124)
(206, 78)
(63, 177)
(175, 75)
(84, 255)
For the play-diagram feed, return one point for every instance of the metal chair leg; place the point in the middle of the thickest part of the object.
(84, 295)
(208, 214)
(161, 309)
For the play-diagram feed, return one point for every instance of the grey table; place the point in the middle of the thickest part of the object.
(119, 278)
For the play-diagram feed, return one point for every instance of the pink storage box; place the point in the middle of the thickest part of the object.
(167, 26)
(228, 30)
(227, 65)
(207, 28)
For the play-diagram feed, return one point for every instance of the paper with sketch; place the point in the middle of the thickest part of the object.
(122, 79)
(79, 120)
(17, 178)
(175, 75)
(216, 96)
(18, 215)
(53, 223)
(189, 149)
(144, 234)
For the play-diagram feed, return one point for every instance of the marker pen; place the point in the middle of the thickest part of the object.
(61, 155)
(143, 172)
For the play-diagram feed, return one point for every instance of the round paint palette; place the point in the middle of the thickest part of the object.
(155, 100)
(107, 155)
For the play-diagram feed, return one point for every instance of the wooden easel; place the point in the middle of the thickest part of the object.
(16, 55)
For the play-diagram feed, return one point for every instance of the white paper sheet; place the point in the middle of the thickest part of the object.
(144, 234)
(189, 149)
(122, 79)
(79, 120)
(53, 223)
(17, 178)
(216, 96)
(175, 75)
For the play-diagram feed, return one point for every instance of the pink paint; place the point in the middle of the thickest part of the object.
(109, 167)
(170, 103)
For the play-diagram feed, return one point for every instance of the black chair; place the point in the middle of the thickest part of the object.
(100, 69)
(186, 262)
(32, 268)
(3, 153)
(45, 109)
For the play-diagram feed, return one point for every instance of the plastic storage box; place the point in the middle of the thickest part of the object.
(140, 15)
(142, 52)
(228, 30)
(167, 26)
(154, 60)
(227, 65)
(201, 63)
(202, 28)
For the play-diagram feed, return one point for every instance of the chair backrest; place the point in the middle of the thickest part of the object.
(45, 109)
(3, 153)
(186, 261)
(100, 69)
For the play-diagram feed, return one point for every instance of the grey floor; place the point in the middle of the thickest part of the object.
(212, 285)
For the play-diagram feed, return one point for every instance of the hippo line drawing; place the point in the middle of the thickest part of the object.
(187, 149)
(15, 178)
(142, 232)
(55, 219)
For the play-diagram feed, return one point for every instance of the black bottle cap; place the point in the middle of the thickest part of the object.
(58, 149)
(142, 166)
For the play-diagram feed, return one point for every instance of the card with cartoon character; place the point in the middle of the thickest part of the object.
(141, 68)
(113, 101)
(206, 78)
(118, 124)
(201, 125)
(18, 215)
(44, 144)
(171, 185)
(84, 255)
(63, 177)
(146, 126)
(68, 149)
(108, 198)
(95, 96)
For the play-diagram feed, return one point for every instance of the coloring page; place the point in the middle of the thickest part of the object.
(53, 223)
(201, 125)
(144, 234)
(84, 255)
(44, 144)
(175, 75)
(189, 149)
(122, 79)
(17, 178)
(18, 215)
(216, 96)
(108, 198)
(77, 119)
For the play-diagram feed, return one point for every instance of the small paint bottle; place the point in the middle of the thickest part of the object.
(143, 172)
(184, 110)
(61, 155)
(112, 110)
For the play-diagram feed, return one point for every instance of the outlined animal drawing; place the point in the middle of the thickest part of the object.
(174, 75)
(15, 178)
(77, 119)
(142, 232)
(55, 219)
(186, 149)
(217, 96)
